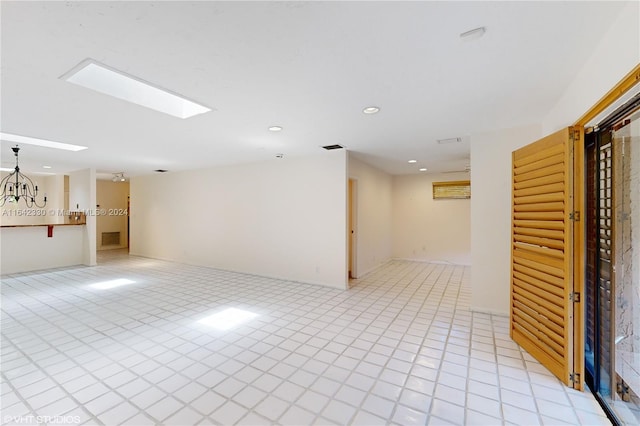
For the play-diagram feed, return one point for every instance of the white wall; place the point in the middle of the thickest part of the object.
(491, 215)
(282, 218)
(56, 199)
(430, 230)
(614, 56)
(29, 248)
(373, 198)
(112, 197)
(611, 59)
(19, 214)
(82, 196)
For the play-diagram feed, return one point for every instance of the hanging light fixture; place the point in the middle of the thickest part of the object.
(118, 177)
(16, 187)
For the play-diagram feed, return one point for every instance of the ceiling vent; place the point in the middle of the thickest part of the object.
(331, 147)
(449, 140)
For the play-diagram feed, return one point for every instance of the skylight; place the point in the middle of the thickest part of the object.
(103, 79)
(228, 319)
(40, 142)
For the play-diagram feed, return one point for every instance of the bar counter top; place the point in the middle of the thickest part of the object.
(41, 224)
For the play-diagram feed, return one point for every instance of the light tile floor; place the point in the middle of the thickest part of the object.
(400, 347)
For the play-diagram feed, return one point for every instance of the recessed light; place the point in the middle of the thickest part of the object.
(423, 169)
(275, 129)
(473, 34)
(109, 81)
(412, 161)
(40, 142)
(371, 110)
(46, 167)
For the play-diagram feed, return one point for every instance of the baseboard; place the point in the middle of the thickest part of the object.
(344, 286)
(437, 262)
(490, 312)
(114, 247)
(370, 270)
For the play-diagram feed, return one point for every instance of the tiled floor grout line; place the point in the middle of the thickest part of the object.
(69, 394)
(426, 331)
(26, 403)
(377, 341)
(495, 356)
(81, 389)
(535, 401)
(368, 392)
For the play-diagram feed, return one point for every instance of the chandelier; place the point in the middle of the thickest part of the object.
(16, 187)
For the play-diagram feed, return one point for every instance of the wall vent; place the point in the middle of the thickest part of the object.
(111, 238)
(330, 147)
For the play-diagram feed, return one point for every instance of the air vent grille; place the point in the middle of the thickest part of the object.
(110, 238)
(331, 147)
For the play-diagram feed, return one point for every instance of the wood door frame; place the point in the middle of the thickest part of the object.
(352, 231)
(569, 368)
(579, 255)
(623, 86)
(579, 190)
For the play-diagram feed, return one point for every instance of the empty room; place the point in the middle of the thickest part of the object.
(324, 212)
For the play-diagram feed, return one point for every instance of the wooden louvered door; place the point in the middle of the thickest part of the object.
(542, 261)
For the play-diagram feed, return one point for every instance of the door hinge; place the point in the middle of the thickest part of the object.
(574, 378)
(575, 134)
(574, 297)
(575, 216)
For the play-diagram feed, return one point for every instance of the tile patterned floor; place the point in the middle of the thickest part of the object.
(400, 347)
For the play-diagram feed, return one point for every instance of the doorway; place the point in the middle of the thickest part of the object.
(352, 214)
(612, 340)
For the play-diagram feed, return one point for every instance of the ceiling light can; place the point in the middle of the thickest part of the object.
(371, 110)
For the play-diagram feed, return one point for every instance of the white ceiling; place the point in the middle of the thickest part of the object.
(309, 67)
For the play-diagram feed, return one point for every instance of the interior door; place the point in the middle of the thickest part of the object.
(543, 297)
